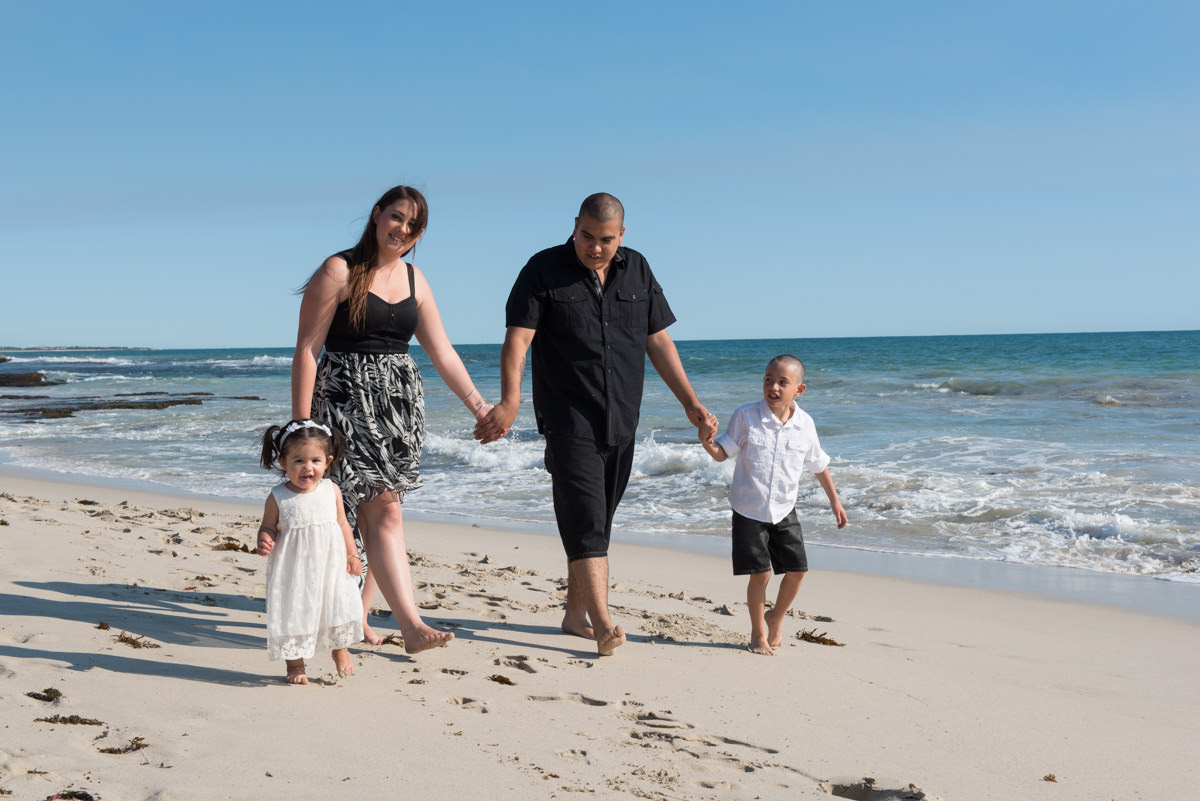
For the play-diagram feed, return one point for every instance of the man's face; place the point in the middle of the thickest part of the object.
(596, 242)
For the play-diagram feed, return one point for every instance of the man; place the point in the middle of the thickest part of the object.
(592, 311)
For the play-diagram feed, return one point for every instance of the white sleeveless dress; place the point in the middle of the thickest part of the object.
(312, 602)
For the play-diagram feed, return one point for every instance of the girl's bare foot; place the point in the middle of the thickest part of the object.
(295, 672)
(759, 645)
(369, 635)
(343, 663)
(426, 638)
(611, 641)
(774, 628)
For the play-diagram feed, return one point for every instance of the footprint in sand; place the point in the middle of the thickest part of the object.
(473, 704)
(574, 753)
(518, 661)
(579, 697)
(661, 720)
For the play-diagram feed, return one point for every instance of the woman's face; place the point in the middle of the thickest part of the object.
(395, 230)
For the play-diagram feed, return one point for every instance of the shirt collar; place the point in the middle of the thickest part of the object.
(766, 414)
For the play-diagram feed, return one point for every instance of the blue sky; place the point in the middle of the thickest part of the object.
(171, 172)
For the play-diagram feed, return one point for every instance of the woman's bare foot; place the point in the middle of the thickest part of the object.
(611, 641)
(774, 628)
(580, 628)
(295, 672)
(426, 638)
(369, 635)
(343, 663)
(759, 645)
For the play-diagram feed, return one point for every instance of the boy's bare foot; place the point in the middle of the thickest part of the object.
(774, 627)
(759, 645)
(343, 663)
(425, 639)
(295, 672)
(611, 641)
(579, 628)
(369, 635)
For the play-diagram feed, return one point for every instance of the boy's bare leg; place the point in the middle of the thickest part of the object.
(756, 600)
(591, 592)
(368, 597)
(788, 588)
(343, 663)
(295, 672)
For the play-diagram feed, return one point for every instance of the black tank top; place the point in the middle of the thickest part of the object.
(387, 327)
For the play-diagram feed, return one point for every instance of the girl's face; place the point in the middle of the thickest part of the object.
(305, 463)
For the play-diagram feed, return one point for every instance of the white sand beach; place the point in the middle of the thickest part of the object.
(120, 602)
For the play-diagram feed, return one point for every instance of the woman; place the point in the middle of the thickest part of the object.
(362, 306)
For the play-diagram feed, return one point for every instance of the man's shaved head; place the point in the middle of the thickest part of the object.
(603, 207)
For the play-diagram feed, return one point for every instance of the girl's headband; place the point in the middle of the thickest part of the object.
(296, 425)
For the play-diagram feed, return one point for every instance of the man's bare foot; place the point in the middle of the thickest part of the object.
(759, 645)
(774, 628)
(425, 639)
(343, 663)
(369, 635)
(611, 641)
(578, 628)
(295, 672)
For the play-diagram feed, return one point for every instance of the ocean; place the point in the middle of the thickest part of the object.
(1057, 450)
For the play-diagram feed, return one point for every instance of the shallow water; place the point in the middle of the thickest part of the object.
(1060, 450)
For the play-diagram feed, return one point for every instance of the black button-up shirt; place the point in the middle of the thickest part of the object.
(589, 352)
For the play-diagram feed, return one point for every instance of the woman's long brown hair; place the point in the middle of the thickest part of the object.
(361, 258)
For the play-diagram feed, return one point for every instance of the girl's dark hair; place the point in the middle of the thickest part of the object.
(275, 444)
(361, 258)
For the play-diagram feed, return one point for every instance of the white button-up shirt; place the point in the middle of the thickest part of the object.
(771, 458)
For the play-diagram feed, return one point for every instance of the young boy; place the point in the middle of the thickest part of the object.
(775, 442)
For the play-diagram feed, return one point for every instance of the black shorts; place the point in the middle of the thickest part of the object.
(588, 480)
(759, 547)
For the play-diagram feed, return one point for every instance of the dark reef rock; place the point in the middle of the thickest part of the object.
(66, 407)
(26, 380)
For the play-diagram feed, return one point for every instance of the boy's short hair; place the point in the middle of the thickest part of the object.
(791, 361)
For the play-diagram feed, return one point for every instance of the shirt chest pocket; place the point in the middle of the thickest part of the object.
(759, 444)
(633, 309)
(570, 308)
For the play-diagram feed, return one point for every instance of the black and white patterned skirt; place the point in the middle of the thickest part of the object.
(377, 404)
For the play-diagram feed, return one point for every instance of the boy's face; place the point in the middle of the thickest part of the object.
(781, 385)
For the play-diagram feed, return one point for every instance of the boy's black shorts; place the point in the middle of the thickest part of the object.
(588, 479)
(759, 547)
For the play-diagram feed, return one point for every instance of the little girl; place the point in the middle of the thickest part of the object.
(312, 601)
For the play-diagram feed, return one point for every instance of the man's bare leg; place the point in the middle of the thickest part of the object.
(788, 588)
(591, 592)
(575, 619)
